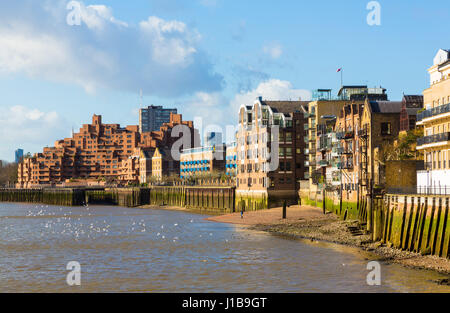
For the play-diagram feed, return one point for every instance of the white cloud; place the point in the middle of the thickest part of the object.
(274, 50)
(172, 42)
(209, 106)
(215, 108)
(273, 89)
(30, 129)
(97, 16)
(161, 57)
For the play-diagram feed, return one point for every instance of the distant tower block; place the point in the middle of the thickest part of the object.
(153, 117)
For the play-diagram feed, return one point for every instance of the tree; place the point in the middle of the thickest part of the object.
(8, 173)
(404, 148)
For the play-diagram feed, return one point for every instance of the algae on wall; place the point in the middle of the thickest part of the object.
(417, 223)
(65, 197)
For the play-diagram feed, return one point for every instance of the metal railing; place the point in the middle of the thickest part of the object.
(433, 139)
(445, 108)
(420, 190)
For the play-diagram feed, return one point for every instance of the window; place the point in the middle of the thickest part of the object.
(289, 152)
(386, 129)
(288, 167)
(288, 137)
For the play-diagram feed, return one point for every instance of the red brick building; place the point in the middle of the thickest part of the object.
(97, 153)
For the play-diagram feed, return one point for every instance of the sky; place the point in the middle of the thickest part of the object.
(63, 61)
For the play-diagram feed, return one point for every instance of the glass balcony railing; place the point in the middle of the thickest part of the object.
(433, 112)
(433, 139)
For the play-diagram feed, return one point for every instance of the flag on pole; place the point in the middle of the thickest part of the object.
(339, 69)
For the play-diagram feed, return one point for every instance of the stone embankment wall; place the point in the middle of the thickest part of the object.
(416, 223)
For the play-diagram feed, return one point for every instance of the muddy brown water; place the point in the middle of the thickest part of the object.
(135, 250)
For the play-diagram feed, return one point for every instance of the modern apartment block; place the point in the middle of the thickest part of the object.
(98, 152)
(319, 112)
(435, 120)
(270, 153)
(364, 120)
(153, 117)
(348, 126)
(202, 161)
(18, 155)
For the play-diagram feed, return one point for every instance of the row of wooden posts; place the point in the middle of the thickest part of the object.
(210, 198)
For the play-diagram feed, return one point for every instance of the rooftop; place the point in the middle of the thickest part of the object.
(386, 107)
(286, 106)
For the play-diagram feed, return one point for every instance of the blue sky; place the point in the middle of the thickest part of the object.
(205, 57)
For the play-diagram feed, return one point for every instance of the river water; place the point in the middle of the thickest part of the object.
(134, 250)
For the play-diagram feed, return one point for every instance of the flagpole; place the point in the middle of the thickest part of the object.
(342, 79)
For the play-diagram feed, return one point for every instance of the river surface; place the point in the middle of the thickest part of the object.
(135, 250)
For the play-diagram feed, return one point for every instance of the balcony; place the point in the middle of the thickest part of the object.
(433, 112)
(438, 138)
(342, 151)
(324, 146)
(345, 165)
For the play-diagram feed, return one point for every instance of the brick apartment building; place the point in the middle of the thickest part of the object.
(98, 152)
(258, 183)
